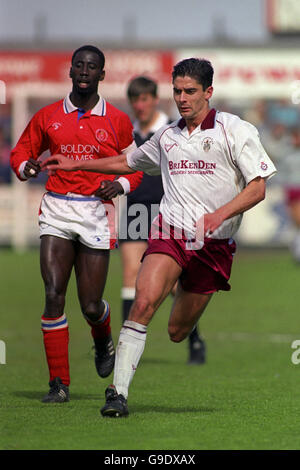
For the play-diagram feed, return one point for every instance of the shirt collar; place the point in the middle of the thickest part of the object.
(161, 120)
(208, 123)
(98, 110)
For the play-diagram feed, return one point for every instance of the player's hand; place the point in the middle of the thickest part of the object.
(207, 224)
(32, 168)
(109, 189)
(58, 162)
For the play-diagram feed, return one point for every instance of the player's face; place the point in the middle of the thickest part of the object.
(144, 107)
(86, 72)
(190, 98)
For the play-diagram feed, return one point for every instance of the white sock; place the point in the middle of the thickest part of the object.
(130, 348)
(128, 293)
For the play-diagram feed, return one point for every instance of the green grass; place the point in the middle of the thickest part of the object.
(245, 397)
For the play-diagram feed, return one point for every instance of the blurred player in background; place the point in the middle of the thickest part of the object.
(289, 176)
(75, 225)
(143, 98)
(213, 169)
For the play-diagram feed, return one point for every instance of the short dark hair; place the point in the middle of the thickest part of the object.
(91, 49)
(199, 69)
(139, 85)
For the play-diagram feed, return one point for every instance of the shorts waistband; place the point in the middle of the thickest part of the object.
(219, 240)
(175, 230)
(71, 197)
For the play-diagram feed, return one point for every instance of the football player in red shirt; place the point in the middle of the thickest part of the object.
(75, 225)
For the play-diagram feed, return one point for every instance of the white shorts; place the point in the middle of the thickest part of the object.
(87, 219)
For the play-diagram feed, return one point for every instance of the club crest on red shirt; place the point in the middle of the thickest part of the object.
(101, 135)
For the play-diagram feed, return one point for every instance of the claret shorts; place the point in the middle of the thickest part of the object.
(204, 270)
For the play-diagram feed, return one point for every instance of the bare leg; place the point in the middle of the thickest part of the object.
(56, 259)
(196, 344)
(155, 280)
(294, 209)
(91, 267)
(186, 311)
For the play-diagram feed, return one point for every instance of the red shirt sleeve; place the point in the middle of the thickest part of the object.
(125, 132)
(32, 143)
(134, 179)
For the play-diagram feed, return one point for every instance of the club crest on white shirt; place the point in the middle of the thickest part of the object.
(207, 143)
(263, 166)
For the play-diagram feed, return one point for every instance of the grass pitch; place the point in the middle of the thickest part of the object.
(245, 397)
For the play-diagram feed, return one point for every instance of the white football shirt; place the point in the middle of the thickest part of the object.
(203, 170)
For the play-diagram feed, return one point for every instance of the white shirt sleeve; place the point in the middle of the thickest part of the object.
(250, 155)
(21, 170)
(146, 158)
(125, 184)
(130, 147)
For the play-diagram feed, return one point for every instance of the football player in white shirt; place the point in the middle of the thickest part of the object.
(213, 169)
(142, 93)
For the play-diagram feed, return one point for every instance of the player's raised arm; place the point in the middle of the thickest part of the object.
(110, 165)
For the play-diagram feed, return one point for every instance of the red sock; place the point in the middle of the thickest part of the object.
(101, 329)
(56, 342)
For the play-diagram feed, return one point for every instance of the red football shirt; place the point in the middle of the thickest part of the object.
(101, 132)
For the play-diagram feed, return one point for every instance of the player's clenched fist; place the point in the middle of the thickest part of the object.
(32, 168)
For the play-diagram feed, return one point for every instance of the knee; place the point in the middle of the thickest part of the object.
(92, 311)
(176, 334)
(55, 302)
(142, 309)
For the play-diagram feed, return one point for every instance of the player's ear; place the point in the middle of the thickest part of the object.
(101, 75)
(70, 72)
(208, 92)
